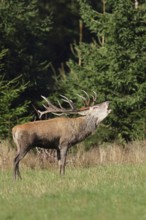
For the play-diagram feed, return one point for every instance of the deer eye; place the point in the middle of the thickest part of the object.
(95, 107)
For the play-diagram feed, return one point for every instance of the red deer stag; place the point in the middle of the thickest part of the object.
(59, 133)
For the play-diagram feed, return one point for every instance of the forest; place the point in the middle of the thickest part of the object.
(64, 47)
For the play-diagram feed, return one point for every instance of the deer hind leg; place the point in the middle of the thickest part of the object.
(17, 159)
(61, 156)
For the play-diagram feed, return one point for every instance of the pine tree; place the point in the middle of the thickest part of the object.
(11, 112)
(127, 72)
(113, 65)
(24, 30)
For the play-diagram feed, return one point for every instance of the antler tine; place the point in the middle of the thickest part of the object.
(48, 102)
(58, 114)
(45, 106)
(82, 97)
(37, 111)
(69, 101)
(40, 113)
(43, 97)
(86, 94)
(94, 97)
(60, 104)
(88, 98)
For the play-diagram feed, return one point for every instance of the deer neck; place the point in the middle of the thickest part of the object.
(87, 126)
(90, 123)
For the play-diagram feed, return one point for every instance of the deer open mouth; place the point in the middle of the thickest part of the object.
(109, 111)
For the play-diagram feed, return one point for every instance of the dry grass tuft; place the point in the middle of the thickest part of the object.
(6, 155)
(104, 154)
(112, 153)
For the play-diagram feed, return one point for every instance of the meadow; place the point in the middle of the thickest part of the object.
(113, 187)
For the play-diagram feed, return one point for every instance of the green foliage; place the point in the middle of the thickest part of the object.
(65, 25)
(126, 73)
(24, 30)
(10, 110)
(113, 65)
(9, 113)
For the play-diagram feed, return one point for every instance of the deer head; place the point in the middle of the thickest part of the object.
(100, 111)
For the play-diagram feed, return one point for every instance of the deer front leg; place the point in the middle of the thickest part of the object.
(61, 156)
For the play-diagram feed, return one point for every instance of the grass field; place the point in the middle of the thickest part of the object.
(112, 191)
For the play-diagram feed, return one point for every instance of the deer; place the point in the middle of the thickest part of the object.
(59, 133)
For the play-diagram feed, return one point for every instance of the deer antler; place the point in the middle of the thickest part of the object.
(94, 97)
(87, 99)
(69, 101)
(50, 108)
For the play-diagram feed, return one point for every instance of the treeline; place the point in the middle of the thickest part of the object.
(64, 47)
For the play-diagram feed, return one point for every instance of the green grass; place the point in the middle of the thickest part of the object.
(103, 192)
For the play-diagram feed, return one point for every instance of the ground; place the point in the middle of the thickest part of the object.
(104, 192)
